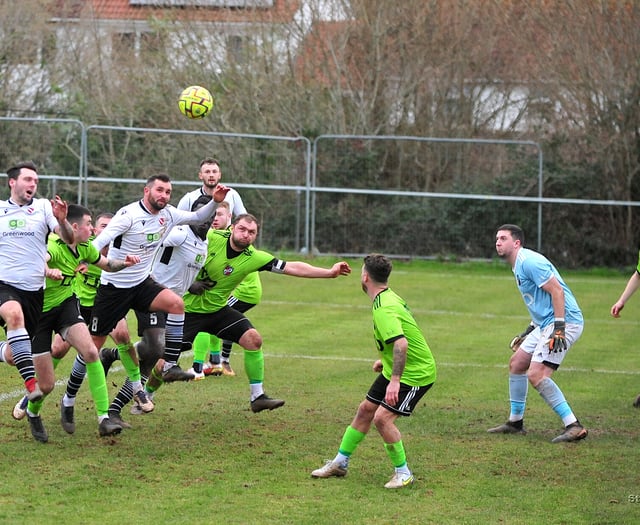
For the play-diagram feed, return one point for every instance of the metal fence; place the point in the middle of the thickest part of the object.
(411, 197)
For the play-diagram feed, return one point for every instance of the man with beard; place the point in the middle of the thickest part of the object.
(139, 229)
(25, 223)
(231, 257)
(175, 266)
(210, 175)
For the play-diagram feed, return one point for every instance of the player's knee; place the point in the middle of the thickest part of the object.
(536, 375)
(176, 305)
(366, 412)
(251, 340)
(120, 335)
(90, 355)
(382, 419)
(518, 364)
(13, 318)
(46, 385)
(59, 348)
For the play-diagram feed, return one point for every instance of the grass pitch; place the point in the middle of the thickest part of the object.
(203, 457)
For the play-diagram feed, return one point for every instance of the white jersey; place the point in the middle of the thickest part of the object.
(23, 242)
(179, 259)
(236, 206)
(135, 231)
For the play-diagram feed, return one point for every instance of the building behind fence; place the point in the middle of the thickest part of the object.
(409, 197)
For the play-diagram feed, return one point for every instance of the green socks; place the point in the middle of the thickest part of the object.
(131, 367)
(350, 441)
(254, 365)
(396, 453)
(98, 387)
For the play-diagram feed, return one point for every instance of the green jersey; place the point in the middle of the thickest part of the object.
(392, 320)
(250, 289)
(225, 270)
(65, 259)
(86, 284)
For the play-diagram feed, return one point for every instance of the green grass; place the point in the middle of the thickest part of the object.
(203, 457)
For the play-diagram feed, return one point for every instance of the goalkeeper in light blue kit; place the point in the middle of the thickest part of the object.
(556, 324)
(407, 371)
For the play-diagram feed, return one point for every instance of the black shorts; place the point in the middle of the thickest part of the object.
(31, 303)
(55, 320)
(150, 320)
(227, 323)
(112, 304)
(239, 305)
(408, 396)
(85, 311)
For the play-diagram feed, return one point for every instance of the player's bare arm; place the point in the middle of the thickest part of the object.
(400, 347)
(64, 230)
(115, 265)
(302, 269)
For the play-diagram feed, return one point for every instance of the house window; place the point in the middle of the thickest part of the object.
(135, 44)
(23, 48)
(236, 49)
(123, 45)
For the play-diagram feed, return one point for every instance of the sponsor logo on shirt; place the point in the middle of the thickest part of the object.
(17, 223)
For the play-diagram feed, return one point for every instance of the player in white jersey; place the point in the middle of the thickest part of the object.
(176, 265)
(210, 175)
(139, 229)
(25, 223)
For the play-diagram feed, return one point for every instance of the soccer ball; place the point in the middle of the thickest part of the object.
(195, 102)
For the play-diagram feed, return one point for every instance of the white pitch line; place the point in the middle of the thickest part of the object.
(606, 319)
(454, 365)
(16, 394)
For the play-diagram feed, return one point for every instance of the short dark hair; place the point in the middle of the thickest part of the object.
(378, 267)
(516, 232)
(209, 160)
(247, 217)
(14, 171)
(104, 215)
(162, 177)
(75, 212)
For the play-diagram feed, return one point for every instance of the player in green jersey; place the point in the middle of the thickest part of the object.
(231, 257)
(85, 287)
(631, 287)
(61, 314)
(407, 371)
(244, 297)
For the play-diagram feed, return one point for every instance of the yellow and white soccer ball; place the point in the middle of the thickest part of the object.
(195, 102)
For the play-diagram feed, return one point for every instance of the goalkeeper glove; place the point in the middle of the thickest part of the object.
(557, 341)
(199, 287)
(517, 340)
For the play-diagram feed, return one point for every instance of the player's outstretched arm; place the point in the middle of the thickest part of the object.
(64, 229)
(115, 265)
(629, 290)
(303, 269)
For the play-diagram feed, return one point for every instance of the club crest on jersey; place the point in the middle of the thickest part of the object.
(228, 270)
(162, 220)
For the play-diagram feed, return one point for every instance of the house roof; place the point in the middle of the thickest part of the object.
(282, 11)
